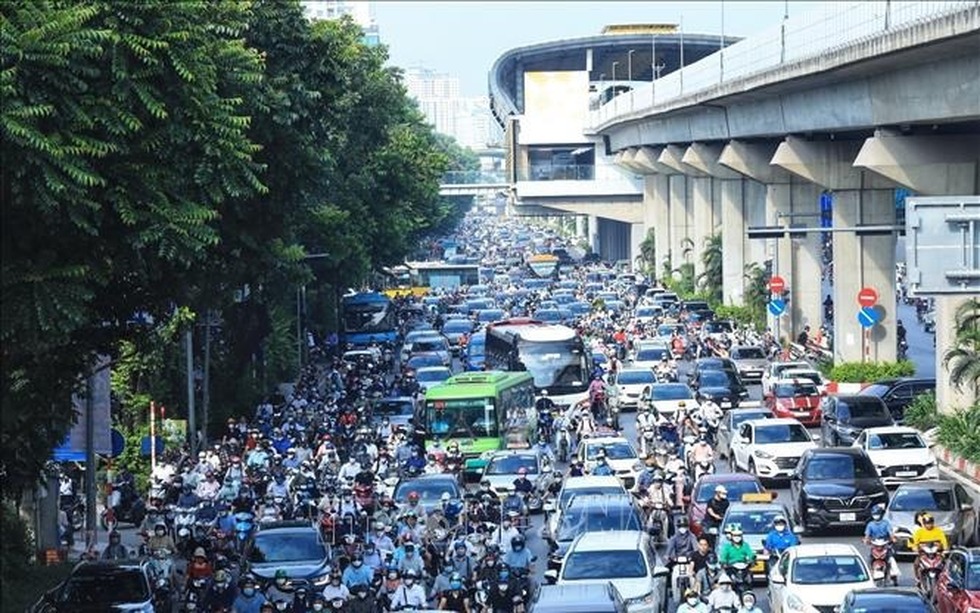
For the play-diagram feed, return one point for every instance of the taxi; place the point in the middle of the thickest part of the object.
(754, 514)
(796, 398)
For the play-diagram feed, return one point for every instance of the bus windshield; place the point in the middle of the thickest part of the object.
(555, 365)
(463, 418)
(368, 316)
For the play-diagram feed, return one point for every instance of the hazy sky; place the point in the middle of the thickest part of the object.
(464, 38)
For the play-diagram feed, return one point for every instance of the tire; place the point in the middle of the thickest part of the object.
(751, 468)
(732, 463)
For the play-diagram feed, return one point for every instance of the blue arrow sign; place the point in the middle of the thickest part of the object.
(867, 317)
(777, 306)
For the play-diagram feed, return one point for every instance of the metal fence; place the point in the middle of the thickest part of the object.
(828, 28)
(474, 177)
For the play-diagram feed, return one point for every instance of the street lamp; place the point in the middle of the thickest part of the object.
(629, 67)
(614, 64)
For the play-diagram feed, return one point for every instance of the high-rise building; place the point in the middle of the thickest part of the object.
(467, 119)
(361, 11)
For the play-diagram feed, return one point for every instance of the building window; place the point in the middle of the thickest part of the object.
(561, 163)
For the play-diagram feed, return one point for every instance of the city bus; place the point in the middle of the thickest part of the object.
(555, 355)
(443, 275)
(368, 317)
(482, 412)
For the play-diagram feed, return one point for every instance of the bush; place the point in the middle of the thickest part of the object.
(743, 315)
(959, 432)
(922, 413)
(861, 372)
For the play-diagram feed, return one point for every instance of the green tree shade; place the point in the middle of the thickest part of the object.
(648, 252)
(711, 277)
(756, 294)
(963, 358)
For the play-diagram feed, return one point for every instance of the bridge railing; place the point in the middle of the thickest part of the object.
(474, 177)
(826, 29)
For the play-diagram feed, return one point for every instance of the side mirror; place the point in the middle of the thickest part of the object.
(551, 577)
(777, 578)
(661, 571)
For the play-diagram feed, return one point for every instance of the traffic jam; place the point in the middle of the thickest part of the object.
(511, 425)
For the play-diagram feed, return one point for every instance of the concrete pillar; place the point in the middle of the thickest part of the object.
(679, 234)
(656, 198)
(734, 241)
(594, 233)
(580, 226)
(860, 198)
(703, 225)
(637, 234)
(931, 166)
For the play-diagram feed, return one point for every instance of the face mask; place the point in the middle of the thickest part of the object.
(692, 602)
(736, 539)
(317, 607)
(726, 587)
(780, 527)
(392, 577)
(362, 595)
(506, 524)
(161, 532)
(249, 591)
(502, 587)
(517, 547)
(280, 582)
(357, 563)
(409, 582)
(681, 530)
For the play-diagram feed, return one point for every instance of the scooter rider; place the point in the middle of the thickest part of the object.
(723, 595)
(780, 538)
(681, 544)
(880, 528)
(602, 468)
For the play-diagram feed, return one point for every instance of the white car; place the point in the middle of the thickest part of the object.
(633, 385)
(770, 448)
(775, 372)
(809, 374)
(816, 577)
(620, 456)
(651, 355)
(668, 398)
(899, 454)
(624, 558)
(648, 314)
(586, 485)
(430, 376)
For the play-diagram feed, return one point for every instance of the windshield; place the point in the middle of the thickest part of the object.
(738, 418)
(839, 467)
(973, 576)
(671, 391)
(620, 450)
(895, 440)
(736, 489)
(922, 499)
(630, 377)
(718, 326)
(457, 326)
(608, 490)
(106, 588)
(372, 317)
(755, 522)
(604, 565)
(781, 433)
(651, 355)
(429, 490)
(557, 364)
(421, 360)
(647, 312)
(596, 518)
(714, 378)
(828, 570)
(792, 390)
(509, 465)
(668, 329)
(748, 353)
(429, 344)
(394, 407)
(278, 547)
(808, 375)
(861, 408)
(462, 418)
(488, 315)
(437, 374)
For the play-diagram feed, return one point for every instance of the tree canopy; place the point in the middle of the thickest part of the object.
(187, 154)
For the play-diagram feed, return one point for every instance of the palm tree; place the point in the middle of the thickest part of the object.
(648, 252)
(963, 359)
(756, 294)
(712, 258)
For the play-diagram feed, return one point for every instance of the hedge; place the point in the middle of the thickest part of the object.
(867, 372)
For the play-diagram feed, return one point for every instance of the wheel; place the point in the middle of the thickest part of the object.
(752, 470)
(732, 463)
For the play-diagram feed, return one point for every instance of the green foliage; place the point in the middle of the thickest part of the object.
(16, 550)
(756, 294)
(922, 413)
(963, 358)
(710, 279)
(959, 432)
(648, 252)
(681, 281)
(862, 372)
(743, 315)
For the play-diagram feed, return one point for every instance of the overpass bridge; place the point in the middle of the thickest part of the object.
(473, 183)
(854, 105)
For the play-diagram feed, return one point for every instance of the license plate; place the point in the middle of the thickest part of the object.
(801, 413)
(905, 473)
(726, 405)
(878, 574)
(848, 516)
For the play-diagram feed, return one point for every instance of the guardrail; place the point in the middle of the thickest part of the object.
(824, 30)
(473, 177)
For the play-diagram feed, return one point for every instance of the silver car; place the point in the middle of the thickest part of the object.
(750, 360)
(953, 508)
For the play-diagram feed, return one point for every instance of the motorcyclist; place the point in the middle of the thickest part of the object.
(701, 451)
(455, 598)
(681, 544)
(349, 470)
(410, 594)
(716, 508)
(736, 550)
(357, 573)
(880, 528)
(208, 488)
(199, 567)
(249, 599)
(362, 600)
(544, 452)
(522, 485)
(115, 550)
(504, 534)
(602, 468)
(221, 593)
(188, 497)
(519, 558)
(278, 488)
(597, 396)
(706, 578)
(513, 501)
(780, 538)
(723, 595)
(691, 604)
(160, 539)
(748, 604)
(161, 566)
(927, 532)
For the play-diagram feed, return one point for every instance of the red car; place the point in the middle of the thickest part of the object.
(958, 588)
(796, 398)
(737, 484)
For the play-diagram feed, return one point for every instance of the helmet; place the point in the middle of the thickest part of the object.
(737, 531)
(779, 519)
(724, 578)
(522, 471)
(413, 496)
(281, 574)
(446, 497)
(926, 518)
(517, 542)
(221, 576)
(690, 593)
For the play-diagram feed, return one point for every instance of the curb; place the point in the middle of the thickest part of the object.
(961, 467)
(834, 387)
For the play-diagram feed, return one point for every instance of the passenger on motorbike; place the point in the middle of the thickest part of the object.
(357, 573)
(188, 498)
(692, 604)
(748, 604)
(199, 566)
(415, 507)
(723, 595)
(504, 534)
(334, 589)
(350, 469)
(522, 485)
(519, 558)
(250, 599)
(706, 578)
(544, 451)
(161, 566)
(221, 593)
(372, 557)
(411, 594)
(701, 451)
(602, 468)
(576, 469)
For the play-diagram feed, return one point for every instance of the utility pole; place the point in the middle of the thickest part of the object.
(191, 417)
(90, 500)
(206, 384)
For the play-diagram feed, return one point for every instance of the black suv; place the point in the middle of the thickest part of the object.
(844, 416)
(835, 487)
(899, 393)
(100, 586)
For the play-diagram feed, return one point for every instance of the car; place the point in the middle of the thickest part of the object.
(905, 600)
(430, 376)
(590, 513)
(414, 335)
(624, 558)
(750, 360)
(634, 385)
(501, 471)
(774, 372)
(430, 489)
(650, 356)
(808, 374)
(295, 547)
(400, 410)
(796, 398)
(433, 343)
(817, 576)
(723, 387)
(620, 455)
(755, 520)
(899, 393)
(99, 586)
(713, 363)
(668, 398)
(575, 598)
(648, 314)
(455, 330)
(845, 416)
(958, 587)
(953, 508)
(585, 485)
(422, 360)
(475, 355)
(770, 448)
(666, 331)
(487, 316)
(899, 454)
(717, 329)
(737, 484)
(835, 487)
(728, 428)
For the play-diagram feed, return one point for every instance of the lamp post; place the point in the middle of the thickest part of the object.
(629, 67)
(614, 64)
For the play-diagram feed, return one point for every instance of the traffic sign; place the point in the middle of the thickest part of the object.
(777, 306)
(868, 297)
(145, 445)
(867, 317)
(777, 284)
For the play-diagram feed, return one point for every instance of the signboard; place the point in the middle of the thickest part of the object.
(145, 446)
(942, 243)
(777, 307)
(868, 297)
(101, 409)
(777, 284)
(868, 317)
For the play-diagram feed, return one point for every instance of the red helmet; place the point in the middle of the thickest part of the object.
(413, 496)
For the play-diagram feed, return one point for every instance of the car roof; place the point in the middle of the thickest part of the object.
(575, 597)
(287, 526)
(513, 452)
(891, 430)
(791, 381)
(936, 484)
(591, 481)
(855, 451)
(605, 440)
(722, 478)
(599, 500)
(773, 421)
(756, 506)
(96, 567)
(871, 596)
(813, 550)
(613, 540)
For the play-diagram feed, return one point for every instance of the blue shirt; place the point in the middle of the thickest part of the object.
(518, 559)
(245, 604)
(779, 542)
(602, 470)
(881, 529)
(357, 576)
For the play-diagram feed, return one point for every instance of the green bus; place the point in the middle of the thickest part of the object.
(482, 412)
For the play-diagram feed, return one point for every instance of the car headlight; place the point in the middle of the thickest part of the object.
(950, 527)
(644, 599)
(794, 603)
(765, 455)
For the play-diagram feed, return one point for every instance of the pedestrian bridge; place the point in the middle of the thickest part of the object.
(473, 183)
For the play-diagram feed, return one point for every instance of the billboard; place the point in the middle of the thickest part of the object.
(556, 105)
(102, 418)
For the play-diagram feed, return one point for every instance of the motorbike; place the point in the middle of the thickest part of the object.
(184, 519)
(930, 563)
(123, 505)
(244, 527)
(648, 439)
(163, 599)
(741, 575)
(364, 496)
(657, 523)
(881, 570)
(681, 578)
(74, 507)
(703, 467)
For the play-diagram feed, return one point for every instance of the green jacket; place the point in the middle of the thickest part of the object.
(733, 554)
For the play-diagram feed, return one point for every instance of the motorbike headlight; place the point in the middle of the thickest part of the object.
(765, 455)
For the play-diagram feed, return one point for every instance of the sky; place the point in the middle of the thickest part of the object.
(464, 38)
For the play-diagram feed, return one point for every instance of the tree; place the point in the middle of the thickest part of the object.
(963, 358)
(648, 252)
(756, 294)
(711, 277)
